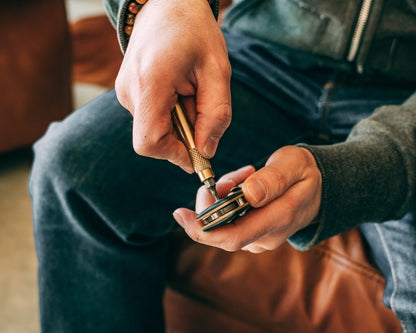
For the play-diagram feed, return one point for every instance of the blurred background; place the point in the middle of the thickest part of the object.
(55, 56)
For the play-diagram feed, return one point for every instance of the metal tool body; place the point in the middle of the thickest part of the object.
(200, 164)
(223, 210)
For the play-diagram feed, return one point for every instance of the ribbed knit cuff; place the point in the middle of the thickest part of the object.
(355, 188)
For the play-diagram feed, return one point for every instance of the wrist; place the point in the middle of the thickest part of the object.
(127, 14)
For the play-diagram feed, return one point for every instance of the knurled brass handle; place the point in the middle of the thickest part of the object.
(198, 161)
(201, 165)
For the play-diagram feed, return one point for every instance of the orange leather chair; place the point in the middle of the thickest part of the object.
(334, 287)
(35, 67)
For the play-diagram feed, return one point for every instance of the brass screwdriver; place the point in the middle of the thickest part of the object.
(201, 165)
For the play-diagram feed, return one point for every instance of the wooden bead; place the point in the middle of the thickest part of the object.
(133, 8)
(128, 30)
(142, 2)
(130, 19)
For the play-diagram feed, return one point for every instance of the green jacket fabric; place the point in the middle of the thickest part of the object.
(371, 177)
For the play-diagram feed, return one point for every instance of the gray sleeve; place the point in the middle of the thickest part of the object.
(116, 10)
(371, 177)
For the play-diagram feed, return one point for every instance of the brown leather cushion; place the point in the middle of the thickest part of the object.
(331, 288)
(35, 69)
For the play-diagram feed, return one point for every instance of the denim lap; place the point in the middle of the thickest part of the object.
(101, 212)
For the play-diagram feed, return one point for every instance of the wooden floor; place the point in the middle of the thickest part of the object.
(18, 293)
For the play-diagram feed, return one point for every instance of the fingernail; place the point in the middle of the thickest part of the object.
(256, 189)
(177, 217)
(210, 147)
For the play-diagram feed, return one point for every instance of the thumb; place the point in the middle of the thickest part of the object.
(282, 170)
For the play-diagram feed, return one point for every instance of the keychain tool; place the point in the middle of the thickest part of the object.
(224, 210)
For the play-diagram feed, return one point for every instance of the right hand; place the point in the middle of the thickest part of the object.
(287, 196)
(176, 48)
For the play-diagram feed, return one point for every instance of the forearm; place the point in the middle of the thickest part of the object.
(371, 177)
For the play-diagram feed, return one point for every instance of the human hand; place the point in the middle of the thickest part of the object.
(286, 193)
(176, 48)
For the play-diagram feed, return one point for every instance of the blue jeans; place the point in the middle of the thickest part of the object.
(102, 214)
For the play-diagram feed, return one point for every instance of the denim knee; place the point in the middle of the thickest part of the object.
(91, 278)
(50, 165)
(86, 164)
(66, 155)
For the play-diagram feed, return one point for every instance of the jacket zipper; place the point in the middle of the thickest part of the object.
(359, 29)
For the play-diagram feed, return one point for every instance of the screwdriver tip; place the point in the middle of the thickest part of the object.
(214, 192)
(210, 185)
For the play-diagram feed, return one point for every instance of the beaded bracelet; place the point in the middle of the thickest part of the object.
(135, 5)
(132, 9)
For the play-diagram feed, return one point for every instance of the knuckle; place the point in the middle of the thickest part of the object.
(140, 149)
(149, 140)
(224, 115)
(288, 218)
(278, 182)
(196, 237)
(222, 64)
(144, 149)
(230, 248)
(144, 144)
(121, 92)
(273, 182)
(225, 68)
(233, 245)
(219, 63)
(266, 188)
(192, 235)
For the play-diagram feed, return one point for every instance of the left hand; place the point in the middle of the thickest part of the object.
(286, 193)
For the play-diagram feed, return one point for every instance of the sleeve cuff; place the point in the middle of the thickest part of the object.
(368, 178)
(121, 15)
(306, 238)
(354, 188)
